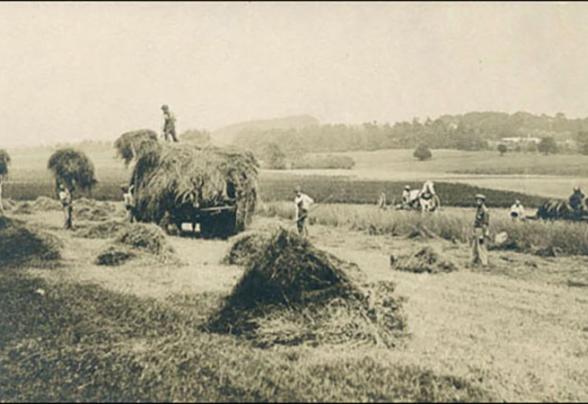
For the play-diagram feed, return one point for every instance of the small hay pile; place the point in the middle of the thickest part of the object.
(102, 230)
(115, 255)
(168, 178)
(92, 214)
(44, 204)
(292, 293)
(424, 260)
(139, 238)
(21, 244)
(23, 208)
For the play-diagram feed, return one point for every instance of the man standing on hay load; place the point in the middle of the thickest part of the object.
(481, 232)
(66, 203)
(169, 124)
(302, 202)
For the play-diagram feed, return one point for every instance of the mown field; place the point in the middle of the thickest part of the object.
(513, 332)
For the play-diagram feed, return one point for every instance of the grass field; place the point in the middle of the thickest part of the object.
(532, 174)
(512, 333)
(375, 172)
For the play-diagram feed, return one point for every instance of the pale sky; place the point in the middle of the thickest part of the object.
(74, 71)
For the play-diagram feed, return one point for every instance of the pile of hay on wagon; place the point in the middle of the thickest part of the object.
(171, 180)
(293, 293)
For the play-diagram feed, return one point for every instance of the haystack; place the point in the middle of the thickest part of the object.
(44, 204)
(140, 239)
(427, 259)
(21, 244)
(245, 247)
(102, 230)
(293, 293)
(169, 178)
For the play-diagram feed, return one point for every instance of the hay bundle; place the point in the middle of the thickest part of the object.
(245, 247)
(114, 255)
(44, 204)
(95, 214)
(146, 237)
(23, 208)
(168, 177)
(140, 239)
(21, 244)
(424, 260)
(103, 230)
(293, 293)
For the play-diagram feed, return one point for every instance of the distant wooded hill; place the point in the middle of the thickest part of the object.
(229, 134)
(470, 131)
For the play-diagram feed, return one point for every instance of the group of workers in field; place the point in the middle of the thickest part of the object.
(303, 202)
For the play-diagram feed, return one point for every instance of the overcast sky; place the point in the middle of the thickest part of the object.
(79, 71)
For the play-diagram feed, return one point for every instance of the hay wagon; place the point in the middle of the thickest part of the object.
(213, 187)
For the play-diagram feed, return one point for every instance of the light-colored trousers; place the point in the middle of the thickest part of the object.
(479, 248)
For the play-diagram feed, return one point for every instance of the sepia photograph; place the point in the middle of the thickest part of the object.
(294, 201)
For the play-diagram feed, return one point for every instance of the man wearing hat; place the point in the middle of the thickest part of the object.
(302, 202)
(481, 232)
(169, 124)
(576, 200)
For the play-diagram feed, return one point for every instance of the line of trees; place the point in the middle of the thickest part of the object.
(471, 131)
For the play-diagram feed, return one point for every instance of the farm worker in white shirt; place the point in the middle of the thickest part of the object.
(517, 211)
(65, 199)
(302, 202)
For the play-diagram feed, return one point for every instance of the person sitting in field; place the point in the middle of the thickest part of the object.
(406, 197)
(517, 211)
(129, 202)
(382, 201)
(576, 200)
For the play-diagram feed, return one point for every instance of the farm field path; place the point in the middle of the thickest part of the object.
(520, 335)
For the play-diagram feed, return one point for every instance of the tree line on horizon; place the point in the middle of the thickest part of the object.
(472, 131)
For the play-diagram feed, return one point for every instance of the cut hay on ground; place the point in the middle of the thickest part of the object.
(103, 230)
(44, 203)
(245, 247)
(147, 237)
(92, 214)
(142, 239)
(21, 244)
(293, 293)
(114, 255)
(23, 208)
(424, 260)
(171, 177)
(8, 204)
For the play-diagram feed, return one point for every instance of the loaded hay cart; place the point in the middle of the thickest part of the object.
(185, 183)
